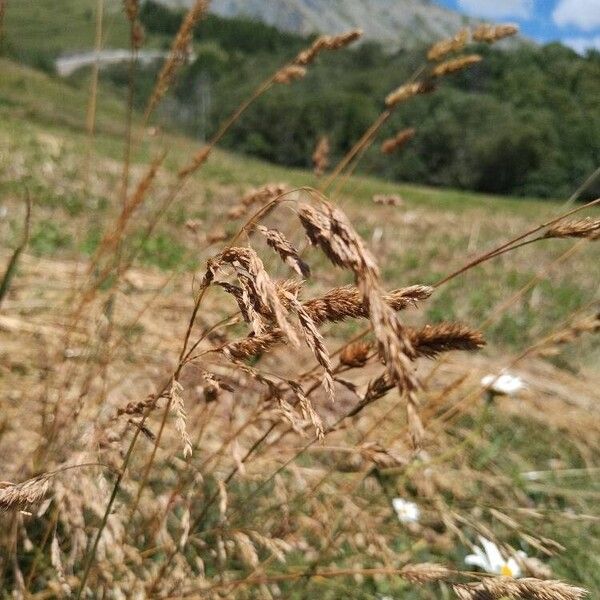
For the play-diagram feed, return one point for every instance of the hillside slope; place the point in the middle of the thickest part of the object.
(401, 22)
(521, 467)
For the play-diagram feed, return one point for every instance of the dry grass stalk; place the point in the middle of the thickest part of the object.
(307, 409)
(288, 74)
(518, 589)
(388, 200)
(493, 33)
(287, 252)
(407, 91)
(336, 305)
(115, 232)
(222, 501)
(397, 142)
(139, 424)
(181, 417)
(288, 414)
(56, 561)
(2, 17)
(137, 35)
(11, 267)
(444, 47)
(316, 343)
(132, 9)
(320, 156)
(587, 228)
(425, 573)
(332, 232)
(178, 54)
(327, 42)
(376, 454)
(197, 161)
(261, 296)
(552, 345)
(455, 65)
(246, 549)
(20, 496)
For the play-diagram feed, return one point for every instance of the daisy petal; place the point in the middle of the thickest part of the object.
(479, 559)
(493, 553)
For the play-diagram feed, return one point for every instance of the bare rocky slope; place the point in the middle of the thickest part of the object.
(401, 23)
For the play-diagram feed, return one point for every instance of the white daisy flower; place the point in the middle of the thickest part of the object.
(504, 385)
(407, 512)
(490, 559)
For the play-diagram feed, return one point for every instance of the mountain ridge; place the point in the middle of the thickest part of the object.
(399, 23)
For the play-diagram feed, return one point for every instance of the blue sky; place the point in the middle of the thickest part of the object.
(574, 22)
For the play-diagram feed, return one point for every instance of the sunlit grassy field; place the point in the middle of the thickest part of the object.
(478, 458)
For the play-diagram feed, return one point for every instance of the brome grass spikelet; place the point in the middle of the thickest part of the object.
(493, 33)
(407, 91)
(455, 65)
(400, 140)
(444, 47)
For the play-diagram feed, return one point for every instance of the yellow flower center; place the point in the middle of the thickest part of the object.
(506, 571)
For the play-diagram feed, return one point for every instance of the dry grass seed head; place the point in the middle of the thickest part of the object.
(327, 42)
(288, 74)
(455, 65)
(388, 200)
(518, 589)
(493, 33)
(552, 345)
(432, 340)
(316, 343)
(262, 196)
(289, 255)
(444, 47)
(407, 91)
(56, 561)
(197, 161)
(336, 305)
(261, 295)
(333, 233)
(356, 355)
(397, 142)
(178, 405)
(135, 200)
(307, 409)
(587, 228)
(20, 496)
(425, 573)
(178, 54)
(320, 157)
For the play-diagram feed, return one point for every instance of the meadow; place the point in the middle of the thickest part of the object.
(188, 412)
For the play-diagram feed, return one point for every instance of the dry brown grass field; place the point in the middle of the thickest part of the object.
(224, 379)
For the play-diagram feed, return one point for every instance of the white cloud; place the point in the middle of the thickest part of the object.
(498, 9)
(583, 14)
(582, 44)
